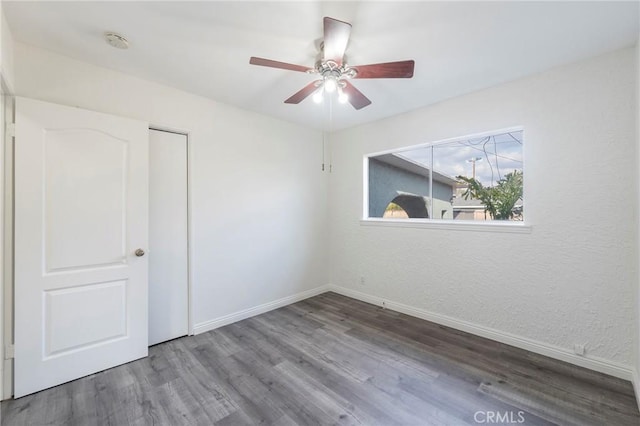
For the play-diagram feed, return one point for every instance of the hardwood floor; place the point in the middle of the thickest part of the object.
(333, 360)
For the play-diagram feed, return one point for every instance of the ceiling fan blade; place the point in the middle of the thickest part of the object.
(275, 64)
(356, 98)
(300, 95)
(401, 69)
(336, 38)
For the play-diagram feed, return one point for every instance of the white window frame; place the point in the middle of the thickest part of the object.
(520, 227)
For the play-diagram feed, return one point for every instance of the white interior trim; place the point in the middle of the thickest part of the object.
(450, 225)
(365, 187)
(636, 386)
(257, 310)
(3, 137)
(6, 278)
(190, 239)
(593, 363)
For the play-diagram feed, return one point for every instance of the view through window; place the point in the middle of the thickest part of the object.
(472, 179)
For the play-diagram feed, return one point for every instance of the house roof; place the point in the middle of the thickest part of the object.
(405, 163)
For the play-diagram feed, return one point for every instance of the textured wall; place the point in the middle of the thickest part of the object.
(573, 279)
(259, 197)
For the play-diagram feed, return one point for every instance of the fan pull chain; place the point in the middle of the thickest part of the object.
(330, 128)
(323, 150)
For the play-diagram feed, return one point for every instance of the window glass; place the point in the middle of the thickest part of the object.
(472, 179)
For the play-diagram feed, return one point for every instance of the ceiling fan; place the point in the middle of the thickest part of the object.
(334, 71)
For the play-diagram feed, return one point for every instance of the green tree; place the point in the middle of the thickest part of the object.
(500, 200)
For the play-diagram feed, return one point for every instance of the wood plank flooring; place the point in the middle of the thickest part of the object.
(332, 360)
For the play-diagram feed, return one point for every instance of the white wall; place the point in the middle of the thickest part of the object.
(6, 52)
(258, 193)
(574, 278)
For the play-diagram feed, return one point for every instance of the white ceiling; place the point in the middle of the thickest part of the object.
(204, 47)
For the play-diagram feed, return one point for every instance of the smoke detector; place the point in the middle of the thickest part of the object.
(116, 40)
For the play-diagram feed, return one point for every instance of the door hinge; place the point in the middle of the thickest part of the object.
(9, 352)
(10, 130)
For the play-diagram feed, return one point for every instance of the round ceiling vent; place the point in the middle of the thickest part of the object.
(116, 40)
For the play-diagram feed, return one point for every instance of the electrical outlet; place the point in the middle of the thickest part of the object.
(579, 349)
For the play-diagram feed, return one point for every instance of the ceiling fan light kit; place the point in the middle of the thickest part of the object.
(335, 72)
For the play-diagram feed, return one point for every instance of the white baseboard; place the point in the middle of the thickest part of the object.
(636, 386)
(257, 310)
(556, 352)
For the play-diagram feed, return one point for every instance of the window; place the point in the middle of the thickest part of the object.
(477, 178)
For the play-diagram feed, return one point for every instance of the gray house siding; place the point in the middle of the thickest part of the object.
(409, 190)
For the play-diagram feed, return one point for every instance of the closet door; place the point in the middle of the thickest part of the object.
(168, 244)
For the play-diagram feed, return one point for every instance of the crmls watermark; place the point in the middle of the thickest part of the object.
(499, 417)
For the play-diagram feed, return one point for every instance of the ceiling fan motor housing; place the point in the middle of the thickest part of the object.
(330, 69)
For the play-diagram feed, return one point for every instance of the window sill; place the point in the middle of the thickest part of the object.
(450, 225)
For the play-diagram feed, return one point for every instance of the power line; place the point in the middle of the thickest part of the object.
(484, 149)
(495, 152)
(515, 139)
(501, 156)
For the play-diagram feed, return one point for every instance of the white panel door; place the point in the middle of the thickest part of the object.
(81, 212)
(168, 247)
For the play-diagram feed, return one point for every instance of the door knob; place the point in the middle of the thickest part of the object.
(139, 252)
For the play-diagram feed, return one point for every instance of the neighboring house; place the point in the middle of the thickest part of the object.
(473, 209)
(394, 178)
(470, 209)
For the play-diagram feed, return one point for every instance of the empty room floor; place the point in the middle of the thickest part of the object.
(333, 360)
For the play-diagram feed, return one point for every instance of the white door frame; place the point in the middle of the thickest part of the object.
(186, 134)
(6, 248)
